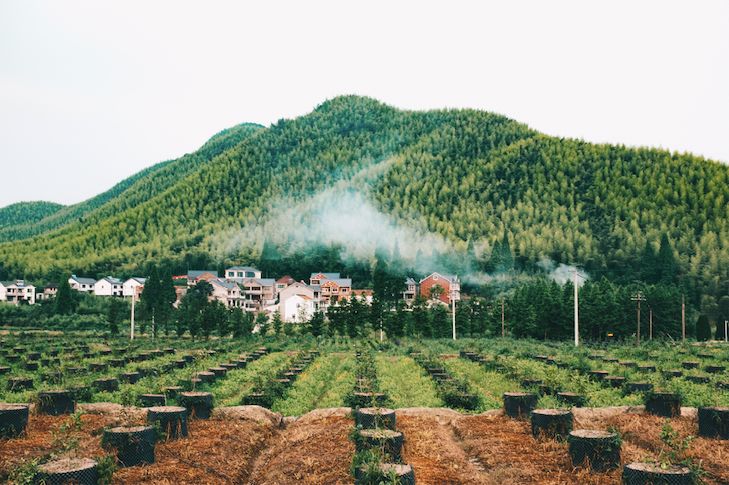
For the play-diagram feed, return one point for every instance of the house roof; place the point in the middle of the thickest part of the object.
(224, 283)
(329, 276)
(448, 277)
(83, 281)
(16, 283)
(196, 273)
(241, 268)
(137, 279)
(409, 281)
(259, 281)
(339, 281)
(286, 279)
(112, 280)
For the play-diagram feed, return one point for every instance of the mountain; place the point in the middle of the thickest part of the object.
(129, 192)
(27, 212)
(462, 178)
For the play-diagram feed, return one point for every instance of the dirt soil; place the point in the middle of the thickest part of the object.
(248, 444)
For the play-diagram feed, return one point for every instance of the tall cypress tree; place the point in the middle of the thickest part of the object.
(65, 303)
(666, 261)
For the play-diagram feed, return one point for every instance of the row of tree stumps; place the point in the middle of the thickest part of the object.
(600, 450)
(131, 445)
(378, 444)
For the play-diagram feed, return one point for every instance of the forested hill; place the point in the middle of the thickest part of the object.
(131, 191)
(467, 175)
(27, 212)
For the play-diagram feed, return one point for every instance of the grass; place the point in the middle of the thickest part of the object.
(405, 382)
(324, 384)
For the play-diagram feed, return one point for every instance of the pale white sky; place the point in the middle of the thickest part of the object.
(91, 92)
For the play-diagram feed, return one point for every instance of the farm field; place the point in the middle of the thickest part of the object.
(282, 411)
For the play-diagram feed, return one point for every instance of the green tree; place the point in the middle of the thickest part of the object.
(703, 328)
(316, 324)
(114, 315)
(277, 323)
(66, 302)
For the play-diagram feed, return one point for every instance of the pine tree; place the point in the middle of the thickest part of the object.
(277, 323)
(114, 315)
(316, 324)
(151, 296)
(703, 328)
(65, 303)
(666, 264)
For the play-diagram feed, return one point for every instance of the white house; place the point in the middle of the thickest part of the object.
(227, 292)
(297, 301)
(297, 309)
(81, 284)
(17, 292)
(239, 273)
(133, 286)
(108, 286)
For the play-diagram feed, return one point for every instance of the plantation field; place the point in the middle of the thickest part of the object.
(447, 395)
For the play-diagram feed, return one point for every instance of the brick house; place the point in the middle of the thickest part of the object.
(449, 286)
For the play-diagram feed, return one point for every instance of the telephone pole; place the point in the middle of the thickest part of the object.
(650, 323)
(134, 294)
(638, 297)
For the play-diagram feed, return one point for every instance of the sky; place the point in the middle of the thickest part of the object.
(91, 92)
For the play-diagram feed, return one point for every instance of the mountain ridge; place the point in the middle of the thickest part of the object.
(468, 176)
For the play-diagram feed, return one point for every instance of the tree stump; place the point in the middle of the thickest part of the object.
(56, 402)
(519, 404)
(370, 418)
(614, 381)
(598, 450)
(690, 364)
(651, 473)
(638, 387)
(130, 377)
(218, 371)
(368, 399)
(199, 404)
(663, 404)
(13, 419)
(551, 423)
(171, 420)
(109, 384)
(151, 400)
(698, 379)
(77, 471)
(715, 369)
(383, 439)
(599, 375)
(17, 384)
(31, 366)
(714, 422)
(671, 373)
(257, 399)
(134, 445)
(206, 377)
(572, 398)
(171, 392)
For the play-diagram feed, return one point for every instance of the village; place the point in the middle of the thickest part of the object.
(244, 287)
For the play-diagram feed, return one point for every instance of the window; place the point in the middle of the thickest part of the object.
(250, 274)
(240, 274)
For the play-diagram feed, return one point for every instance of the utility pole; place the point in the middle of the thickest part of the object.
(131, 335)
(650, 323)
(638, 297)
(503, 327)
(726, 328)
(577, 311)
(683, 318)
(453, 304)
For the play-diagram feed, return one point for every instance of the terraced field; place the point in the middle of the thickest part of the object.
(292, 411)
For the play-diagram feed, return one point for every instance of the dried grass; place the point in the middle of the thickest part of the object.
(215, 452)
(312, 450)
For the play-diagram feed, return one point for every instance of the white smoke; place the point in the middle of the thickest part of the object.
(563, 273)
